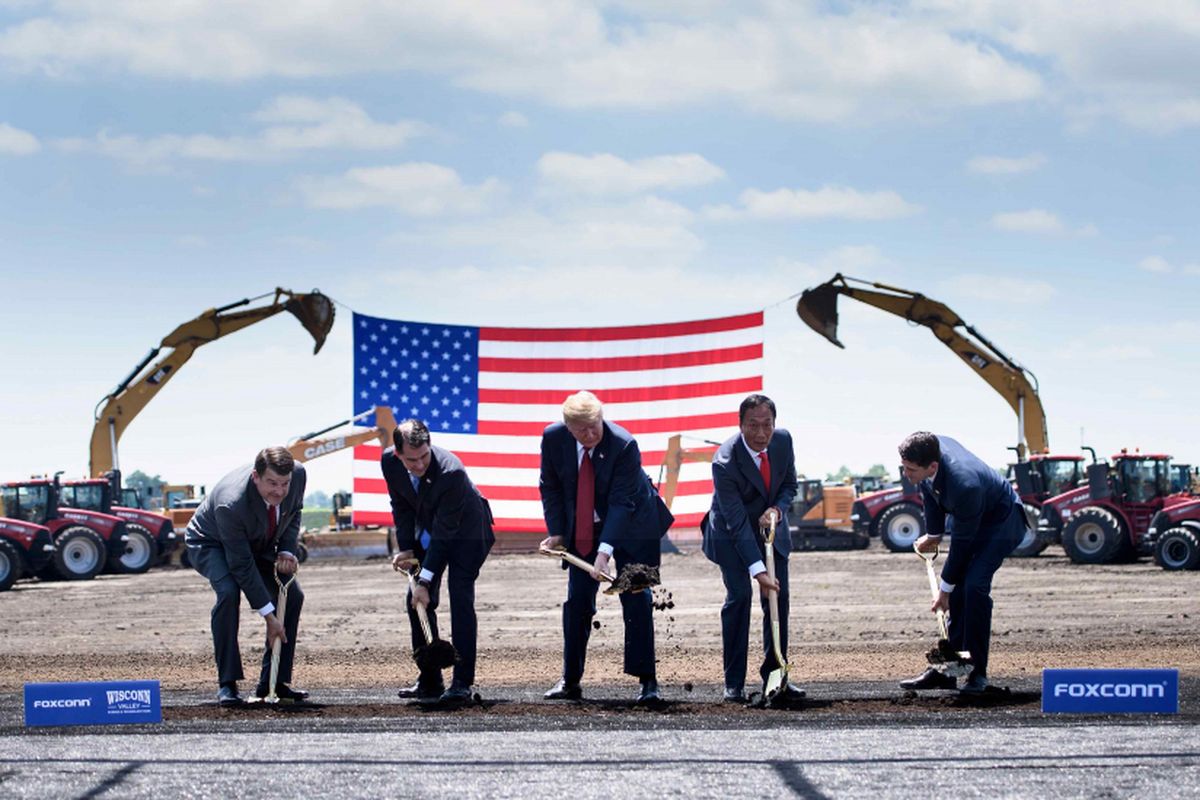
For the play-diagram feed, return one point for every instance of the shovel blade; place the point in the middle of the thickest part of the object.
(776, 683)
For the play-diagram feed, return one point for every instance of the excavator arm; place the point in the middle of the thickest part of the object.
(1016, 384)
(118, 408)
(308, 446)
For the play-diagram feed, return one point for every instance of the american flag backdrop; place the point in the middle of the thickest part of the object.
(488, 393)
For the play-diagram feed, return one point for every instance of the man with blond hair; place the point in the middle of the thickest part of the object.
(601, 506)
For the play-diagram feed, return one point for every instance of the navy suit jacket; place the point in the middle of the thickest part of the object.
(740, 498)
(977, 499)
(447, 505)
(228, 532)
(633, 514)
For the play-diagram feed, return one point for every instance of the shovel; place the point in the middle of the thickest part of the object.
(943, 657)
(437, 654)
(277, 645)
(634, 578)
(777, 680)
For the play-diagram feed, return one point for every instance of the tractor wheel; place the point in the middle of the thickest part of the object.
(140, 551)
(1094, 536)
(10, 565)
(901, 525)
(78, 553)
(1032, 542)
(1177, 548)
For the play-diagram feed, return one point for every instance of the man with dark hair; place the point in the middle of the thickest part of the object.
(754, 482)
(441, 520)
(600, 505)
(986, 523)
(246, 530)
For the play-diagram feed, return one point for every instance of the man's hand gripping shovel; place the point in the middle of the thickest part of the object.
(942, 657)
(777, 680)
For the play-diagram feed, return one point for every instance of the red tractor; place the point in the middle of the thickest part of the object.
(1174, 535)
(1107, 520)
(1041, 477)
(84, 541)
(152, 537)
(25, 549)
(895, 515)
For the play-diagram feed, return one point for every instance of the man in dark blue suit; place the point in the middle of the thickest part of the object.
(600, 505)
(986, 523)
(442, 520)
(754, 482)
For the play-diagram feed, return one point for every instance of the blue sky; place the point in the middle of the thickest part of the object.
(1031, 164)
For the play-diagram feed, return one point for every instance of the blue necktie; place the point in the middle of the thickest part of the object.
(424, 535)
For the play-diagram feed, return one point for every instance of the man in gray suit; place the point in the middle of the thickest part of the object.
(246, 529)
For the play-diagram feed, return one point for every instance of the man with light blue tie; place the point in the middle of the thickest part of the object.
(443, 521)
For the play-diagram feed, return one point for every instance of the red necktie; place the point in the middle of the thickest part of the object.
(272, 523)
(585, 506)
(764, 467)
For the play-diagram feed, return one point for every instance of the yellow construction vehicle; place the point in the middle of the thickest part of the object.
(1015, 383)
(118, 408)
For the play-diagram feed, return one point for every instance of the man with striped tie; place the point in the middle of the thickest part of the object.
(600, 505)
(442, 520)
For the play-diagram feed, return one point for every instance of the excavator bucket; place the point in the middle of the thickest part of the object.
(315, 312)
(818, 308)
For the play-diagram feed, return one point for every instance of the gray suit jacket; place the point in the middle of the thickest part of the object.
(228, 534)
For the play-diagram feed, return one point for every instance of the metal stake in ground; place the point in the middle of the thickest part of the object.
(277, 645)
(943, 657)
(436, 654)
(777, 680)
(633, 578)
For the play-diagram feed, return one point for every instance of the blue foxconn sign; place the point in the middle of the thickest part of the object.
(1110, 691)
(99, 703)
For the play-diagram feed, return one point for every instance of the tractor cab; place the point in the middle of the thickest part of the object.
(1045, 476)
(1183, 479)
(85, 541)
(132, 498)
(34, 502)
(1137, 479)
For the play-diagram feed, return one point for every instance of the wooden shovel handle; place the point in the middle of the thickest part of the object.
(574, 560)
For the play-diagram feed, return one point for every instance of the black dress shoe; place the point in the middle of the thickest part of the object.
(228, 697)
(976, 684)
(794, 692)
(929, 679)
(734, 695)
(410, 692)
(564, 691)
(456, 696)
(283, 692)
(649, 692)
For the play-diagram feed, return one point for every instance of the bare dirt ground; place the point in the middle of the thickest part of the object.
(856, 616)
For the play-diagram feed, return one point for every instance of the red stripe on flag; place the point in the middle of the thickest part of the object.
(372, 518)
(623, 363)
(371, 486)
(640, 394)
(692, 487)
(666, 424)
(621, 332)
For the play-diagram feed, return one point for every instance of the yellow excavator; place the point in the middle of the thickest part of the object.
(118, 408)
(1015, 383)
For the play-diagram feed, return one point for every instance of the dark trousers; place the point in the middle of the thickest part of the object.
(637, 612)
(740, 589)
(970, 626)
(225, 618)
(464, 627)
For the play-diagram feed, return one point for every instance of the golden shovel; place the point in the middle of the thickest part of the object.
(943, 657)
(277, 645)
(437, 654)
(777, 680)
(634, 579)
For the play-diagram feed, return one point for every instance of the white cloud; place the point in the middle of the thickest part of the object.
(16, 142)
(293, 124)
(1038, 220)
(999, 289)
(794, 60)
(1001, 165)
(836, 202)
(513, 119)
(417, 189)
(1154, 264)
(605, 173)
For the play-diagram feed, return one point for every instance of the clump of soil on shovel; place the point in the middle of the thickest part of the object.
(437, 655)
(942, 653)
(635, 577)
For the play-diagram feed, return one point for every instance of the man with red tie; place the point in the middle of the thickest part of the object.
(246, 529)
(754, 482)
(600, 505)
